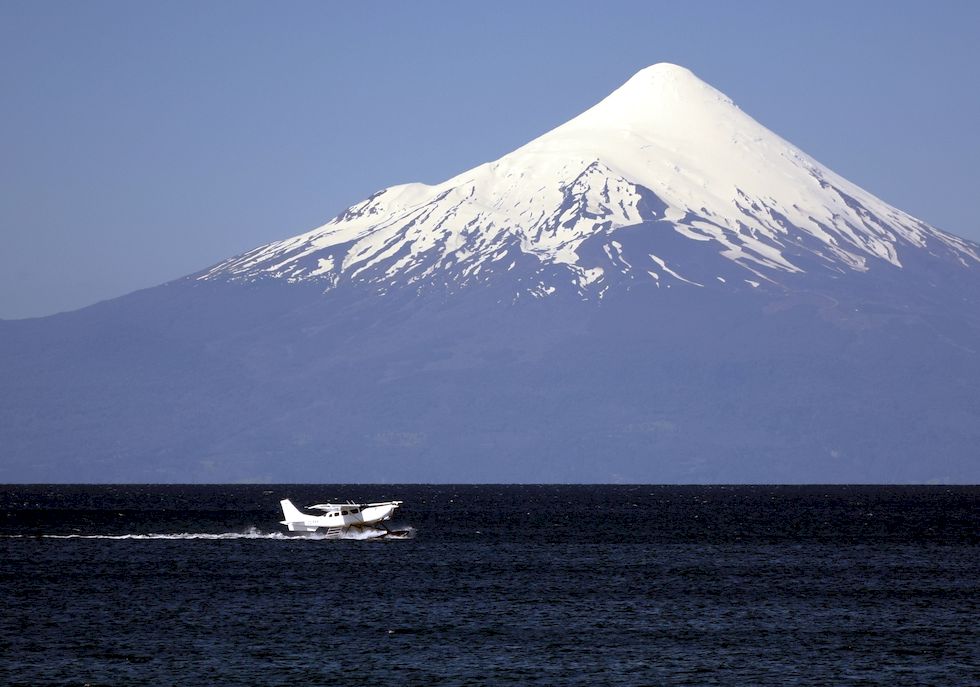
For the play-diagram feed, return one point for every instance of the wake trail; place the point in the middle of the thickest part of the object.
(251, 533)
(175, 536)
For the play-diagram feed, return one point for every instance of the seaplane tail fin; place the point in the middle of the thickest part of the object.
(290, 512)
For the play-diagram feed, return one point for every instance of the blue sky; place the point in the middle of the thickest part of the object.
(144, 141)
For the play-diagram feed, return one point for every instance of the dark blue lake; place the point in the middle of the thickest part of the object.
(510, 585)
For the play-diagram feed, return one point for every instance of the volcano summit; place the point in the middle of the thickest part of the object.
(659, 290)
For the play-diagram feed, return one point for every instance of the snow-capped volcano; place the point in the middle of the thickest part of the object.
(660, 290)
(603, 198)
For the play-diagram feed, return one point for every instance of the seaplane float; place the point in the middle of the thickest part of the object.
(344, 520)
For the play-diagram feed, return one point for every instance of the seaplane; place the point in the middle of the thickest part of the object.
(344, 520)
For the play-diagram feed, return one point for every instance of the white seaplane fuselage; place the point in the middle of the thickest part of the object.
(337, 518)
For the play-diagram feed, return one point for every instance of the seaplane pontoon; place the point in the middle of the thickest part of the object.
(344, 520)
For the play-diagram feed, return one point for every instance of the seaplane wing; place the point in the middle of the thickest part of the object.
(349, 504)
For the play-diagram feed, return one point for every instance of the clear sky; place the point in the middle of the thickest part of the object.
(142, 141)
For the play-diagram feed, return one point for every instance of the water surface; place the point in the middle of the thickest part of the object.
(547, 585)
